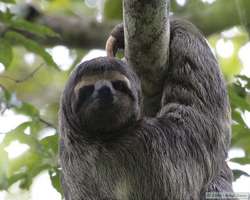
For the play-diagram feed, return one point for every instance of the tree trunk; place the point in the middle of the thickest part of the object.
(146, 29)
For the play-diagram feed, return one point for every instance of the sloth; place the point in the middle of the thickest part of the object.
(109, 150)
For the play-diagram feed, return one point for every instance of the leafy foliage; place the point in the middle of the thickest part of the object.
(17, 38)
(239, 98)
(15, 33)
(42, 153)
(5, 52)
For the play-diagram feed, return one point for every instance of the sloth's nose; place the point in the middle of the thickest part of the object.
(105, 93)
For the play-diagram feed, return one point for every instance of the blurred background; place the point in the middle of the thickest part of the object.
(41, 41)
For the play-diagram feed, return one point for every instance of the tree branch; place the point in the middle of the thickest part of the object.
(48, 124)
(81, 32)
(84, 32)
(27, 77)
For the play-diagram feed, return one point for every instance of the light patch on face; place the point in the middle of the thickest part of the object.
(110, 76)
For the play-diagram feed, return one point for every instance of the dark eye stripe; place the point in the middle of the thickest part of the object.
(120, 85)
(83, 94)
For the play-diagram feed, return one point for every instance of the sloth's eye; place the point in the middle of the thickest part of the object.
(120, 85)
(85, 92)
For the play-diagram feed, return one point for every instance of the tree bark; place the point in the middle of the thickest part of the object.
(146, 30)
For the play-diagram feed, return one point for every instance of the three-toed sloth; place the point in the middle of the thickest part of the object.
(110, 150)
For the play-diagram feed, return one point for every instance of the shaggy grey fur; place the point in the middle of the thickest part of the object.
(177, 155)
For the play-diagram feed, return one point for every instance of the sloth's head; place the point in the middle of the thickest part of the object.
(102, 95)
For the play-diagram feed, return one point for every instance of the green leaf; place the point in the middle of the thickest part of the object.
(50, 143)
(8, 1)
(7, 95)
(236, 100)
(245, 78)
(5, 17)
(3, 169)
(31, 173)
(16, 177)
(37, 29)
(239, 131)
(242, 139)
(27, 109)
(6, 54)
(237, 117)
(54, 174)
(239, 89)
(243, 161)
(25, 168)
(19, 135)
(40, 156)
(237, 173)
(17, 38)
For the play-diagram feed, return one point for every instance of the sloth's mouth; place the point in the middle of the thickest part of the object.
(106, 102)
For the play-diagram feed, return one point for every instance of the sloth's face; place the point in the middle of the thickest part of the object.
(105, 102)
